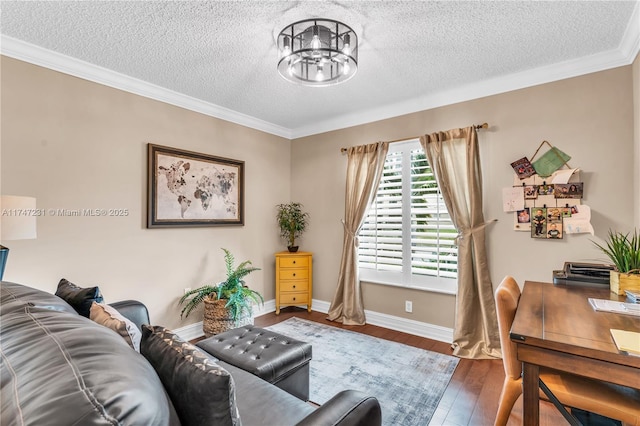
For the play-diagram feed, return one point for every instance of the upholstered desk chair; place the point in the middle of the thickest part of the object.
(616, 402)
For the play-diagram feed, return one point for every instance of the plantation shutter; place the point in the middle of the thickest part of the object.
(408, 230)
(381, 235)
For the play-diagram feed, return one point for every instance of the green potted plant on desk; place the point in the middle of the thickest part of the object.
(624, 252)
(292, 222)
(228, 304)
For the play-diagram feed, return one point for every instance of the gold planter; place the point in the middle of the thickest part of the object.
(620, 282)
(217, 318)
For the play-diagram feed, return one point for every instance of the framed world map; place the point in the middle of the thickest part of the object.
(191, 189)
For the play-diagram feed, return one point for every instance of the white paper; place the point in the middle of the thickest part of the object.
(579, 223)
(572, 226)
(562, 176)
(512, 198)
(613, 306)
(584, 213)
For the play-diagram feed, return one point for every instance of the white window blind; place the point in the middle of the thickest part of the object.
(408, 238)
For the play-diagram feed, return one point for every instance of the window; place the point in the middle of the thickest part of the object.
(408, 238)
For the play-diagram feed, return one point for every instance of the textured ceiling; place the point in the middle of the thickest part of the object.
(411, 52)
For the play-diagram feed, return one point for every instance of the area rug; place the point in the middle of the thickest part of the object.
(407, 381)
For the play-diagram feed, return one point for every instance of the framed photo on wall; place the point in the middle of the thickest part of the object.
(192, 189)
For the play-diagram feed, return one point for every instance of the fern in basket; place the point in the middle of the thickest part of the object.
(623, 250)
(239, 297)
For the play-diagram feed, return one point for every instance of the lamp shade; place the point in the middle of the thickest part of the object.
(17, 222)
(18, 218)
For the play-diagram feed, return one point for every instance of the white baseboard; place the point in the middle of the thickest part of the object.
(194, 331)
(417, 328)
(190, 332)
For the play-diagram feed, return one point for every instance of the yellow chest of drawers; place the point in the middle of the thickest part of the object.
(294, 279)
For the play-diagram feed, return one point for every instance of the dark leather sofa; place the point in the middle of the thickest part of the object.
(60, 368)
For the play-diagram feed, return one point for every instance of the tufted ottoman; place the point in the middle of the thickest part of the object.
(273, 357)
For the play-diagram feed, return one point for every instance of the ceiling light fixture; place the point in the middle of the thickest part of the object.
(317, 52)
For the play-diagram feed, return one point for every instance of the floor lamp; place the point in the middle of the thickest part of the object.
(17, 222)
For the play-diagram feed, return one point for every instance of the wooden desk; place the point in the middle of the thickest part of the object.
(556, 327)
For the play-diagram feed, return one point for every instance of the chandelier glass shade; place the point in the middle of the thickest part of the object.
(317, 52)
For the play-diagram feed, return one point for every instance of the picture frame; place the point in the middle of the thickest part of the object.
(522, 220)
(568, 190)
(186, 188)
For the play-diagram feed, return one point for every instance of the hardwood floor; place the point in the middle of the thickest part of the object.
(473, 393)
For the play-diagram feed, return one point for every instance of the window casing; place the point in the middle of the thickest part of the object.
(408, 238)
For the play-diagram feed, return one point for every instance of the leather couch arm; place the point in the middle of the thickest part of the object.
(347, 408)
(134, 311)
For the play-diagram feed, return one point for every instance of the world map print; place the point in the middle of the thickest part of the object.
(195, 190)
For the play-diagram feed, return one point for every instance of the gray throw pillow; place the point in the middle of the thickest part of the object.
(79, 298)
(202, 391)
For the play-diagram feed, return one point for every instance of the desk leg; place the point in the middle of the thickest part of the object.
(531, 397)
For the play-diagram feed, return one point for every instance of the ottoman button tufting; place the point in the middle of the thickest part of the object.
(285, 365)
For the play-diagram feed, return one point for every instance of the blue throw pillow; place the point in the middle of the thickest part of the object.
(79, 298)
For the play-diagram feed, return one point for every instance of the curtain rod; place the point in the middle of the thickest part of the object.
(477, 126)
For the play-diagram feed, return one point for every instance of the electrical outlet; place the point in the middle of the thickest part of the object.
(187, 290)
(408, 306)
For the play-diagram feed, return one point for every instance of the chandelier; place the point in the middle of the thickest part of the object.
(317, 52)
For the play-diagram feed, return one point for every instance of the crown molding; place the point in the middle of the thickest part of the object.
(40, 56)
(630, 44)
(625, 54)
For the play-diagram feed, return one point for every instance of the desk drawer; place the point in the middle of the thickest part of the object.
(294, 298)
(294, 262)
(294, 285)
(294, 274)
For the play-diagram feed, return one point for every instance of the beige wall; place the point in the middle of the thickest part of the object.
(589, 117)
(74, 144)
(636, 118)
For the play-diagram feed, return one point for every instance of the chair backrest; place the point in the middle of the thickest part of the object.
(507, 296)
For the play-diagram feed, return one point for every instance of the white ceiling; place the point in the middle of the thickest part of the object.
(219, 57)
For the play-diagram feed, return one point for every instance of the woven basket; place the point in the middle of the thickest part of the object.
(217, 318)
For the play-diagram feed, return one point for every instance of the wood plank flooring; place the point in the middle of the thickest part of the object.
(472, 395)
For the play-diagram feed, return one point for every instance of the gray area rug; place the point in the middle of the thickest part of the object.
(407, 381)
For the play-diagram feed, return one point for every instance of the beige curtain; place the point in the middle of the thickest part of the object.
(364, 169)
(454, 157)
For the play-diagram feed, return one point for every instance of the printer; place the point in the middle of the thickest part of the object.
(583, 274)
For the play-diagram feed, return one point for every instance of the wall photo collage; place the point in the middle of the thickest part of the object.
(546, 200)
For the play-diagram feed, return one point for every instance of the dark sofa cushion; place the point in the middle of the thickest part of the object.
(261, 403)
(78, 297)
(202, 392)
(61, 368)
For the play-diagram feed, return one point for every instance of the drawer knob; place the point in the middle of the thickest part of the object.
(294, 274)
(294, 298)
(294, 286)
(294, 262)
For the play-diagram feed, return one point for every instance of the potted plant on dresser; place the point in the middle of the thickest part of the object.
(227, 305)
(624, 252)
(292, 222)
